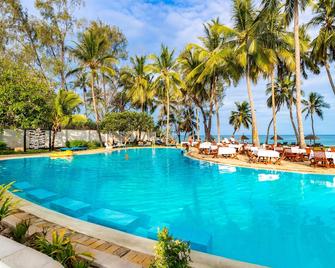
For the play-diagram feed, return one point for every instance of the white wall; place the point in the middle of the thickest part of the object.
(14, 138)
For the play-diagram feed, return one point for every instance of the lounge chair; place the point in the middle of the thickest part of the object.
(320, 160)
(252, 157)
(280, 159)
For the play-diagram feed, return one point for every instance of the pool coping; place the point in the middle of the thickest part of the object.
(123, 239)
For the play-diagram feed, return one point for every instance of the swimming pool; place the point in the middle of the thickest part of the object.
(277, 219)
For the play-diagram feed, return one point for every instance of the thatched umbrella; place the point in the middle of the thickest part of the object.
(312, 137)
(279, 138)
(244, 138)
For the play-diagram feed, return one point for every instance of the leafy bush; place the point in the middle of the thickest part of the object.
(3, 145)
(7, 203)
(170, 253)
(20, 230)
(61, 250)
(83, 143)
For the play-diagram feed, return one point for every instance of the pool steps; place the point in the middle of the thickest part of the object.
(40, 195)
(23, 186)
(124, 221)
(70, 206)
(113, 219)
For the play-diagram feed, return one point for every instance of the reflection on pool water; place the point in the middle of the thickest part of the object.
(277, 219)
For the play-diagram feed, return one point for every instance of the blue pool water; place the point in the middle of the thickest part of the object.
(277, 219)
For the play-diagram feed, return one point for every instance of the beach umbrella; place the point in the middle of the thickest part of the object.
(279, 138)
(243, 138)
(312, 137)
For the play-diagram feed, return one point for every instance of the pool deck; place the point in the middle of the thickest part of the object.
(242, 161)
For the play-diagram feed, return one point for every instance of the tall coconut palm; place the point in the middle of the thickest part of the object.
(314, 104)
(138, 84)
(241, 116)
(82, 83)
(324, 44)
(284, 95)
(278, 40)
(167, 80)
(213, 67)
(292, 12)
(66, 105)
(251, 51)
(93, 57)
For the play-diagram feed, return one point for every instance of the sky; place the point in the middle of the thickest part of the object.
(149, 23)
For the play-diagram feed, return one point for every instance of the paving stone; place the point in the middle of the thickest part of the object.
(8, 247)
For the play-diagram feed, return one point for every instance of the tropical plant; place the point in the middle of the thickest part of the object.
(167, 80)
(3, 145)
(324, 43)
(250, 49)
(126, 123)
(66, 104)
(93, 56)
(212, 68)
(7, 202)
(171, 253)
(61, 250)
(138, 83)
(292, 12)
(20, 230)
(241, 116)
(314, 104)
(284, 89)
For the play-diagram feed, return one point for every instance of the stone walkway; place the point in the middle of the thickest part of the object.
(106, 254)
(15, 255)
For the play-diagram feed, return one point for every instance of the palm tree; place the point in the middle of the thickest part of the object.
(292, 12)
(240, 117)
(278, 40)
(213, 67)
(314, 105)
(284, 95)
(324, 44)
(82, 83)
(66, 104)
(167, 80)
(138, 84)
(93, 56)
(250, 50)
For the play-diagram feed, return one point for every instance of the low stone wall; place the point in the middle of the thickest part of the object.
(14, 138)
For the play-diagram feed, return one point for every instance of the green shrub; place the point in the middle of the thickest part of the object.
(61, 250)
(171, 253)
(7, 203)
(3, 145)
(77, 143)
(93, 144)
(19, 232)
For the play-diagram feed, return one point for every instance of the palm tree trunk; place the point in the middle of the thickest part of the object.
(330, 76)
(268, 131)
(95, 108)
(197, 120)
(167, 116)
(293, 124)
(274, 114)
(217, 114)
(85, 101)
(312, 119)
(297, 75)
(255, 138)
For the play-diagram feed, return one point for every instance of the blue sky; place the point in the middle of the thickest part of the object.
(148, 23)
